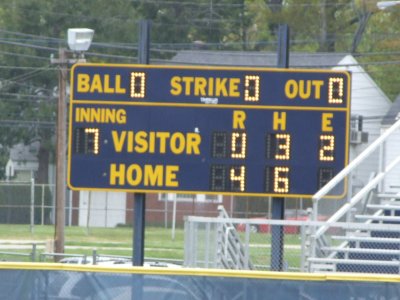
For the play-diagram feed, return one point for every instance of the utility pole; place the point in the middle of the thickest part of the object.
(62, 63)
(79, 40)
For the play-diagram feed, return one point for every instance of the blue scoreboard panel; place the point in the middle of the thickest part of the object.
(212, 130)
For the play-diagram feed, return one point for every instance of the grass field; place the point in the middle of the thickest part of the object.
(118, 241)
(106, 241)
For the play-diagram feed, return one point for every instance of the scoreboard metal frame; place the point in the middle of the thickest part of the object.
(207, 130)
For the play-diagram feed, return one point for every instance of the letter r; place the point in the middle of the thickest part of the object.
(239, 116)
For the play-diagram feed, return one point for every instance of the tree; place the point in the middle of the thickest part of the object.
(28, 86)
(216, 24)
(33, 29)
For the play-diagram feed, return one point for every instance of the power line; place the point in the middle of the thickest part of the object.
(26, 45)
(156, 47)
(27, 124)
(239, 4)
(16, 97)
(24, 55)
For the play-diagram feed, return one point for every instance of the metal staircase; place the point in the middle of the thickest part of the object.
(369, 244)
(231, 254)
(215, 243)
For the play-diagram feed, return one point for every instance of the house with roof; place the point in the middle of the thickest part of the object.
(23, 162)
(369, 105)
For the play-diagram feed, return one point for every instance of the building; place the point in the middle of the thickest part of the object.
(390, 151)
(23, 162)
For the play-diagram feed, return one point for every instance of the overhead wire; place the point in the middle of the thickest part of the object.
(36, 41)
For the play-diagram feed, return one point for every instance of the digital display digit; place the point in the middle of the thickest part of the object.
(327, 147)
(277, 179)
(238, 145)
(220, 144)
(237, 178)
(209, 130)
(87, 140)
(336, 90)
(252, 88)
(218, 178)
(324, 175)
(278, 146)
(138, 84)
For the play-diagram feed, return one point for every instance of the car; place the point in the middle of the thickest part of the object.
(290, 214)
(116, 262)
(77, 260)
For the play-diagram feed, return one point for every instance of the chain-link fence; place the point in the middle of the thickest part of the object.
(32, 203)
(26, 203)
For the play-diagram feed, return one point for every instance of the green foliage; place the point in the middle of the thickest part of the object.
(224, 22)
(381, 48)
(28, 81)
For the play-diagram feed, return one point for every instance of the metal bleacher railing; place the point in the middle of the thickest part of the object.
(215, 244)
(367, 247)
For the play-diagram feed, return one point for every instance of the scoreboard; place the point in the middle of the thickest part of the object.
(211, 130)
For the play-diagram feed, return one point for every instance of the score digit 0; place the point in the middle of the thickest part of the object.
(238, 145)
(138, 84)
(252, 88)
(335, 90)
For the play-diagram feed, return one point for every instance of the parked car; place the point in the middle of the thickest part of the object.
(290, 214)
(116, 262)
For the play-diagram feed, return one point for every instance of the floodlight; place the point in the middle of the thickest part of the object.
(79, 39)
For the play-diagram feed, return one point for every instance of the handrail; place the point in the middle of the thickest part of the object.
(343, 210)
(352, 165)
(231, 239)
(317, 234)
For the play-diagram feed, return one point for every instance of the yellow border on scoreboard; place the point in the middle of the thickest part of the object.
(221, 68)
(277, 107)
(211, 68)
(245, 274)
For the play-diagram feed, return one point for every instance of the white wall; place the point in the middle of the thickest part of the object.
(368, 100)
(391, 151)
(107, 209)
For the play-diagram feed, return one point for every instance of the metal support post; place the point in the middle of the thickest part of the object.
(139, 223)
(278, 203)
(140, 198)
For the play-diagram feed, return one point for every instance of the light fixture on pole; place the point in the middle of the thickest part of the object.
(79, 40)
(386, 4)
